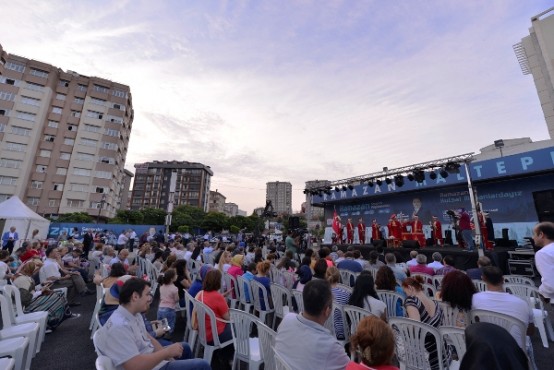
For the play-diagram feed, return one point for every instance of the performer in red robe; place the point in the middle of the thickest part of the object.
(406, 234)
(417, 231)
(349, 231)
(337, 228)
(361, 231)
(437, 231)
(484, 232)
(375, 234)
(395, 231)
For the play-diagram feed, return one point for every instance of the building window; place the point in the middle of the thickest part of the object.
(81, 172)
(82, 87)
(100, 190)
(79, 101)
(68, 141)
(101, 89)
(53, 124)
(97, 101)
(113, 133)
(57, 110)
(45, 153)
(4, 197)
(85, 157)
(49, 138)
(39, 73)
(75, 203)
(22, 131)
(114, 119)
(92, 128)
(7, 96)
(58, 187)
(37, 184)
(81, 188)
(52, 202)
(60, 96)
(15, 67)
(61, 171)
(108, 160)
(7, 180)
(15, 147)
(34, 87)
(26, 116)
(76, 113)
(71, 127)
(30, 101)
(94, 114)
(65, 156)
(9, 81)
(63, 83)
(110, 146)
(4, 112)
(41, 169)
(32, 201)
(89, 142)
(103, 174)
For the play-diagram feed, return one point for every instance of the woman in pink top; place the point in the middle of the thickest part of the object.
(374, 344)
(169, 298)
(236, 269)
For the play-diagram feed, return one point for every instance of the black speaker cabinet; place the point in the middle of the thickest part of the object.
(410, 244)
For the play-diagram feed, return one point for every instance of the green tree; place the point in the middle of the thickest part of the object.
(153, 216)
(215, 221)
(128, 217)
(234, 229)
(78, 217)
(183, 229)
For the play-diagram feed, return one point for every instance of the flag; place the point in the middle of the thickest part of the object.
(336, 227)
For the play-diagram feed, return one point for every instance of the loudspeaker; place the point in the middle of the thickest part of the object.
(505, 235)
(378, 243)
(294, 222)
(410, 244)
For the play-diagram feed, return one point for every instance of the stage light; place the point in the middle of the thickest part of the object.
(320, 193)
(452, 167)
(419, 175)
(410, 177)
(337, 189)
(329, 188)
(387, 180)
(443, 173)
(399, 180)
(433, 175)
(350, 187)
(327, 192)
(370, 183)
(379, 182)
(305, 191)
(344, 188)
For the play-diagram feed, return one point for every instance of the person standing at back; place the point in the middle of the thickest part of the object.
(543, 236)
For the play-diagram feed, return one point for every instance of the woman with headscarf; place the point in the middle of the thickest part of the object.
(491, 347)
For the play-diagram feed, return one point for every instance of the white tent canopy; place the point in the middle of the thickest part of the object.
(13, 212)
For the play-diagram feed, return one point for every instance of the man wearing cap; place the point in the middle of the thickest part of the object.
(125, 340)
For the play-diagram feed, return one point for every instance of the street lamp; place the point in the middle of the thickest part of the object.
(102, 201)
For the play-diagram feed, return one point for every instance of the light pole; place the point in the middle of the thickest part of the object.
(102, 201)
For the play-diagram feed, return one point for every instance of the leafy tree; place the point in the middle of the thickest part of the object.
(153, 216)
(77, 217)
(234, 229)
(128, 217)
(215, 221)
(183, 229)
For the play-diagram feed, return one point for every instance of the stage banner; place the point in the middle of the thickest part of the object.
(57, 228)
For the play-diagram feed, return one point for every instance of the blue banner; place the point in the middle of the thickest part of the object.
(56, 228)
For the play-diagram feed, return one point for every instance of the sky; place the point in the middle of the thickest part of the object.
(300, 90)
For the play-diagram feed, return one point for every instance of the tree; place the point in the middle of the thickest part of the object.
(234, 229)
(77, 217)
(153, 216)
(215, 221)
(128, 217)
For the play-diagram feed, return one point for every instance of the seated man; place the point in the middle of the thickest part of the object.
(421, 266)
(303, 341)
(436, 264)
(122, 258)
(125, 340)
(399, 273)
(497, 300)
(51, 271)
(476, 273)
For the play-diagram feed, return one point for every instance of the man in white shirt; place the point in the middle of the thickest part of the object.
(413, 256)
(543, 236)
(303, 341)
(436, 264)
(497, 300)
(122, 240)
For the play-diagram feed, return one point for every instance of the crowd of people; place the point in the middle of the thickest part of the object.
(62, 272)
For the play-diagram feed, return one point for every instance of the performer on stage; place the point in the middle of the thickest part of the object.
(436, 234)
(375, 233)
(406, 226)
(361, 231)
(395, 231)
(417, 231)
(482, 217)
(337, 226)
(349, 231)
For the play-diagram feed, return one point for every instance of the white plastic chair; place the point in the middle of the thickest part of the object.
(515, 327)
(10, 330)
(530, 294)
(348, 277)
(297, 295)
(7, 363)
(246, 349)
(260, 294)
(391, 299)
(287, 279)
(282, 301)
(373, 271)
(429, 290)
(231, 283)
(411, 340)
(99, 296)
(245, 293)
(428, 279)
(455, 338)
(453, 316)
(354, 315)
(437, 281)
(190, 334)
(104, 363)
(17, 315)
(280, 363)
(17, 348)
(266, 336)
(204, 313)
(480, 285)
(519, 279)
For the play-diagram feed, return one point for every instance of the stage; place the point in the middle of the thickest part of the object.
(463, 260)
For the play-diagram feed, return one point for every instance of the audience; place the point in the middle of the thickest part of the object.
(476, 273)
(365, 296)
(341, 296)
(374, 343)
(421, 266)
(385, 280)
(169, 298)
(457, 290)
(436, 264)
(399, 273)
(448, 266)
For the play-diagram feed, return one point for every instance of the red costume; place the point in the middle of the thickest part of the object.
(337, 227)
(484, 232)
(437, 231)
(395, 230)
(349, 232)
(406, 235)
(417, 231)
(361, 232)
(375, 234)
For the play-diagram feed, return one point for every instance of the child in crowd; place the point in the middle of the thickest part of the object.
(169, 298)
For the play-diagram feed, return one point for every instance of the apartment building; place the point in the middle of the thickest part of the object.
(63, 138)
(151, 187)
(280, 194)
(231, 209)
(313, 213)
(216, 202)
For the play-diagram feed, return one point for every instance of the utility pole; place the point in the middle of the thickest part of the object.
(172, 186)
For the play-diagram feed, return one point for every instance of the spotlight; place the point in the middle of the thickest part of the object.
(337, 189)
(320, 193)
(305, 191)
(370, 183)
(379, 182)
(343, 188)
(327, 192)
(433, 175)
(443, 173)
(350, 187)
(452, 167)
(399, 180)
(329, 188)
(410, 177)
(419, 176)
(388, 181)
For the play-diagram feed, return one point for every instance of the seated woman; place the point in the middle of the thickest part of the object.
(183, 280)
(374, 343)
(365, 296)
(109, 302)
(262, 278)
(385, 280)
(341, 296)
(212, 298)
(457, 289)
(41, 300)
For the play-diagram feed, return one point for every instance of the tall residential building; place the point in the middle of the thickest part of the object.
(231, 209)
(280, 194)
(152, 184)
(535, 54)
(216, 202)
(314, 213)
(63, 138)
